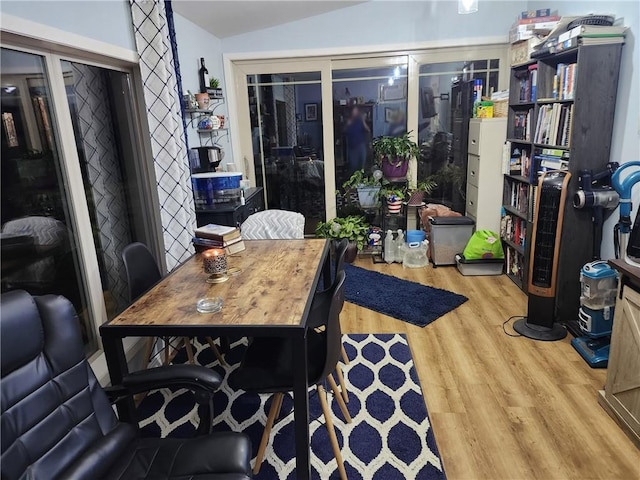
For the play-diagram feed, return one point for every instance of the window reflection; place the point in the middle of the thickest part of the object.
(99, 102)
(444, 110)
(367, 103)
(38, 240)
(286, 132)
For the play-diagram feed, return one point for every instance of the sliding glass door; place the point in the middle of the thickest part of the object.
(302, 134)
(73, 190)
(445, 97)
(369, 101)
(287, 147)
(39, 239)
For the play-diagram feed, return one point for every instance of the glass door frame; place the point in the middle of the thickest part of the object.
(238, 69)
(243, 146)
(442, 55)
(72, 176)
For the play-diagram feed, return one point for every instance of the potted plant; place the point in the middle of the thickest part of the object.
(451, 178)
(368, 187)
(394, 197)
(214, 89)
(353, 228)
(393, 155)
(417, 194)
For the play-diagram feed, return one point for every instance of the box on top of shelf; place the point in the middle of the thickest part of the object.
(521, 51)
(541, 12)
(539, 30)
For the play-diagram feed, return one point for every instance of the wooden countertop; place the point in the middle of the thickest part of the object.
(628, 270)
(276, 281)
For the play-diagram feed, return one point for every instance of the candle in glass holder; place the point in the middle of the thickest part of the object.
(214, 261)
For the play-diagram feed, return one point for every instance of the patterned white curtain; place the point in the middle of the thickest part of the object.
(165, 128)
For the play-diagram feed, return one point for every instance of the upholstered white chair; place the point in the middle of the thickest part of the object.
(273, 225)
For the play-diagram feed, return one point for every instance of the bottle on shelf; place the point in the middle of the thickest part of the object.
(203, 74)
(389, 247)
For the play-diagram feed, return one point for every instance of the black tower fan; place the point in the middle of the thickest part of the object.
(543, 264)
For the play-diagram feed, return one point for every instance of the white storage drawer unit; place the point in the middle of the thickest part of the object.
(484, 171)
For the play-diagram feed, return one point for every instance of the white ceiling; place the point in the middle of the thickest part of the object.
(225, 18)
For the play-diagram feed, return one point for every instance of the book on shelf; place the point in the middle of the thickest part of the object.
(601, 40)
(528, 84)
(569, 43)
(519, 197)
(545, 19)
(525, 161)
(506, 157)
(513, 229)
(514, 263)
(554, 125)
(533, 78)
(532, 14)
(212, 231)
(522, 125)
(593, 30)
(515, 167)
(547, 159)
(533, 191)
(519, 162)
(564, 81)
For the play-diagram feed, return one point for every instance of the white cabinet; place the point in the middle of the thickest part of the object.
(484, 171)
(621, 395)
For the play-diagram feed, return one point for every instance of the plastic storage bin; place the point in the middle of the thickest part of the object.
(483, 266)
(448, 237)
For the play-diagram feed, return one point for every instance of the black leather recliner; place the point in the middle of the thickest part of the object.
(57, 422)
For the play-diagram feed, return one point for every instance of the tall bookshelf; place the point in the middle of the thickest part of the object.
(567, 124)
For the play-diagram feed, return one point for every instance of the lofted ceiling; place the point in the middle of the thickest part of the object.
(225, 18)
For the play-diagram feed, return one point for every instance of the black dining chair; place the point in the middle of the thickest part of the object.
(266, 368)
(142, 274)
(322, 303)
(58, 422)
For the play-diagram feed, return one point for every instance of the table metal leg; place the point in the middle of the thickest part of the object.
(301, 409)
(117, 365)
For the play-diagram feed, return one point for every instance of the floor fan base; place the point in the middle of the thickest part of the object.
(538, 332)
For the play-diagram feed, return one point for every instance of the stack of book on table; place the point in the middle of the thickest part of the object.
(218, 236)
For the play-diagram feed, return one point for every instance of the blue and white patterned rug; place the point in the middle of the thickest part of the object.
(389, 438)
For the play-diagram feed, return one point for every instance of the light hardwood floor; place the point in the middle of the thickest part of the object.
(502, 407)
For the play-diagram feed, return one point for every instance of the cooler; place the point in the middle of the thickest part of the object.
(448, 236)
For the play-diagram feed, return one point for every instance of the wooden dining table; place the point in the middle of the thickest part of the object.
(269, 293)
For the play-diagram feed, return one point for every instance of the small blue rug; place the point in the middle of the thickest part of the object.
(407, 301)
(389, 438)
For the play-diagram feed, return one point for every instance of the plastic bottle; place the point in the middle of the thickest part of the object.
(389, 247)
(398, 254)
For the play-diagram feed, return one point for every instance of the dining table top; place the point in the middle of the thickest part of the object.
(270, 284)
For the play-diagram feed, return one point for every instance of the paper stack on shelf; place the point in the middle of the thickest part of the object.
(533, 24)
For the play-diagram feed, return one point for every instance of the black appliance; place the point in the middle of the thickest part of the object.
(540, 322)
(206, 159)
